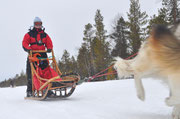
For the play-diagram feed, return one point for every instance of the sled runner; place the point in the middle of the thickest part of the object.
(49, 82)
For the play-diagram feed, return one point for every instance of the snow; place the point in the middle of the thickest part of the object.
(100, 100)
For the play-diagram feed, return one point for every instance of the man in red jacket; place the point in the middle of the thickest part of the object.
(36, 39)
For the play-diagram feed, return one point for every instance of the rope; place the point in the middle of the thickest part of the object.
(109, 73)
(131, 56)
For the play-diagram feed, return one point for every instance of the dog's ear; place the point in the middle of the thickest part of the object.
(162, 36)
(177, 22)
(159, 31)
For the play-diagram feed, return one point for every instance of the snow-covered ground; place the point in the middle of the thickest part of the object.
(100, 100)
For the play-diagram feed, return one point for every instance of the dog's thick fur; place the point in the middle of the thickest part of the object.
(159, 56)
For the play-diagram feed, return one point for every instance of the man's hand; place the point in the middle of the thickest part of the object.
(28, 51)
(49, 50)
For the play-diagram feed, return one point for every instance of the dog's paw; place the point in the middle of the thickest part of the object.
(141, 95)
(168, 101)
(171, 101)
(176, 112)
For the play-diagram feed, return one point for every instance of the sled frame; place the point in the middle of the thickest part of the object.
(68, 81)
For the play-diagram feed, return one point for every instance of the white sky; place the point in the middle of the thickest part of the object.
(64, 21)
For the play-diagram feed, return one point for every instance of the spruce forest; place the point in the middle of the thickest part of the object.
(99, 47)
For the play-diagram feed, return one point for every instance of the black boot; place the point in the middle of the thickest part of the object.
(50, 94)
(29, 94)
(29, 79)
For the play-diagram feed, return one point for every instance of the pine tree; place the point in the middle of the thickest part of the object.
(73, 65)
(161, 18)
(100, 45)
(173, 10)
(168, 14)
(120, 37)
(137, 20)
(88, 35)
(83, 61)
(88, 41)
(65, 64)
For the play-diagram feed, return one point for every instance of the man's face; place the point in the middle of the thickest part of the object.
(38, 25)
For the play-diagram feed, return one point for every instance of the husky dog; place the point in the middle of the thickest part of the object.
(159, 56)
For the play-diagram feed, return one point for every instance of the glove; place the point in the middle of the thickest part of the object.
(49, 50)
(28, 51)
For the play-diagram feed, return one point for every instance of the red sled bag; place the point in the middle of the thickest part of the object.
(47, 73)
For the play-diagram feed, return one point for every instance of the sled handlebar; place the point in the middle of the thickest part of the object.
(38, 51)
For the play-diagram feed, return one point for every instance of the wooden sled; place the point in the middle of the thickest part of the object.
(61, 89)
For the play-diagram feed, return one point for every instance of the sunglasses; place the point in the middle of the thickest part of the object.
(38, 23)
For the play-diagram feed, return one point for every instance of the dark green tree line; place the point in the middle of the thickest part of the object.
(96, 53)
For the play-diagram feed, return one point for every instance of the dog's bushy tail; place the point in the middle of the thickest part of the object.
(123, 67)
(166, 47)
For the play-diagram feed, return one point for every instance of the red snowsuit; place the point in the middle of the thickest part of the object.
(36, 40)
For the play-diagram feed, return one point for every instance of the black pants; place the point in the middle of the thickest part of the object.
(43, 64)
